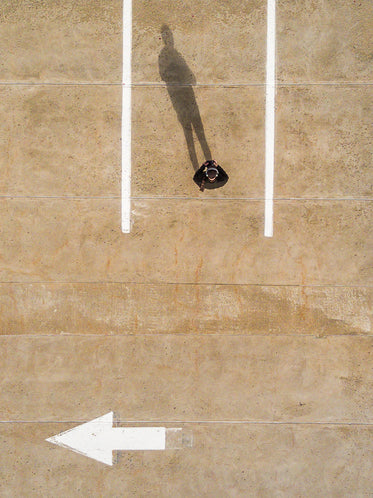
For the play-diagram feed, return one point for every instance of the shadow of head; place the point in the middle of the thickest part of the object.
(167, 36)
(172, 65)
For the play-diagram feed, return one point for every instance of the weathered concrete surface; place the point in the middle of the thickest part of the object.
(194, 316)
(196, 378)
(225, 460)
(119, 308)
(324, 141)
(316, 242)
(232, 120)
(61, 41)
(60, 140)
(322, 40)
(224, 42)
(66, 141)
(74, 41)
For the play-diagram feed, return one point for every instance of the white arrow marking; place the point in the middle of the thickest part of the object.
(98, 439)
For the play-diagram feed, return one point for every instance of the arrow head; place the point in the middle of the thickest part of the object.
(89, 439)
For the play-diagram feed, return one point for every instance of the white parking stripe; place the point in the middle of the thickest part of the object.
(270, 117)
(126, 116)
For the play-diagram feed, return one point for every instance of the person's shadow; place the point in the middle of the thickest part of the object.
(179, 79)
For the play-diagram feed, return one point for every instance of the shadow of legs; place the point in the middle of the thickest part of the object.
(190, 144)
(200, 132)
(184, 102)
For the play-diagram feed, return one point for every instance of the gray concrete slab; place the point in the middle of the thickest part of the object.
(187, 378)
(324, 141)
(222, 42)
(176, 129)
(66, 141)
(324, 41)
(60, 140)
(119, 308)
(61, 42)
(316, 242)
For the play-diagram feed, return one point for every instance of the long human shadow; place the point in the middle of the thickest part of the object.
(179, 79)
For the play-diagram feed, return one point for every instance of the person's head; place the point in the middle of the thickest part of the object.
(212, 173)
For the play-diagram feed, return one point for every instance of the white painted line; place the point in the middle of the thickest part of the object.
(126, 116)
(270, 117)
(98, 438)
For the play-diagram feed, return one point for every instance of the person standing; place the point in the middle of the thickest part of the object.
(210, 175)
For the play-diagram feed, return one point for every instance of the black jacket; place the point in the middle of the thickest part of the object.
(200, 175)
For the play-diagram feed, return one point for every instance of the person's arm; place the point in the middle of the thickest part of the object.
(222, 177)
(198, 175)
